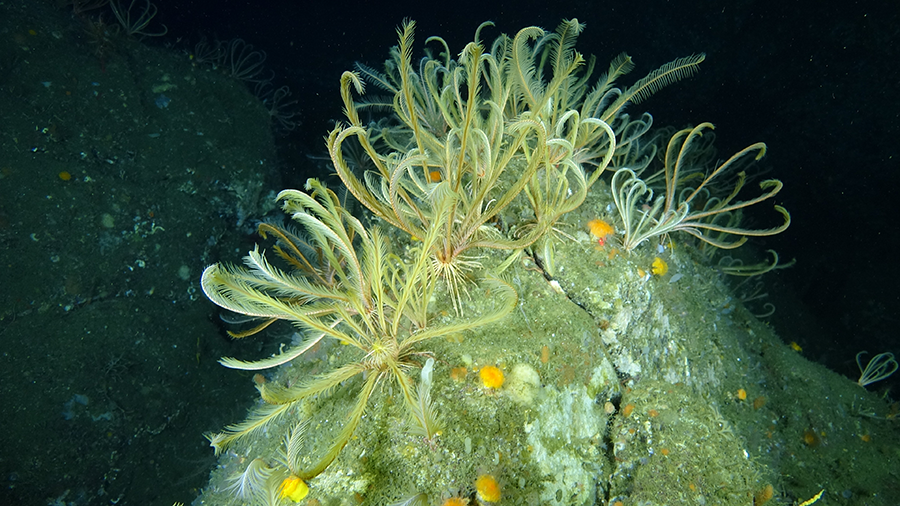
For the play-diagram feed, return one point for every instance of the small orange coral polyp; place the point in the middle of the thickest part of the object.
(488, 489)
(811, 438)
(759, 402)
(458, 373)
(600, 229)
(764, 495)
(455, 501)
(491, 376)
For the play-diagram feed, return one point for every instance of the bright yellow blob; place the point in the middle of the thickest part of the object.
(659, 267)
(293, 488)
(491, 376)
(488, 489)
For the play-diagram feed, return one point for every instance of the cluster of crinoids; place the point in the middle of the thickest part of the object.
(485, 152)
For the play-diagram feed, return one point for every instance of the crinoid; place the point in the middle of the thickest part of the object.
(716, 220)
(439, 168)
(373, 301)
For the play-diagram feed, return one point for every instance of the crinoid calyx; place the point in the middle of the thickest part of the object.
(376, 303)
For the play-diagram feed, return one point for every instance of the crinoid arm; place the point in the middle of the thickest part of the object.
(253, 331)
(426, 421)
(275, 360)
(253, 484)
(291, 455)
(669, 73)
(643, 216)
(734, 267)
(258, 419)
(347, 431)
(232, 290)
(279, 401)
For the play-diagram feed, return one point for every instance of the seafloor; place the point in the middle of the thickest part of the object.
(110, 207)
(621, 386)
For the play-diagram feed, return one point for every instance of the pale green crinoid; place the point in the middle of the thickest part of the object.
(715, 220)
(372, 300)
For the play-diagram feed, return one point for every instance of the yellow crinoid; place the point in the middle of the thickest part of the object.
(374, 301)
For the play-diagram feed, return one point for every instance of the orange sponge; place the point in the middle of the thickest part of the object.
(491, 376)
